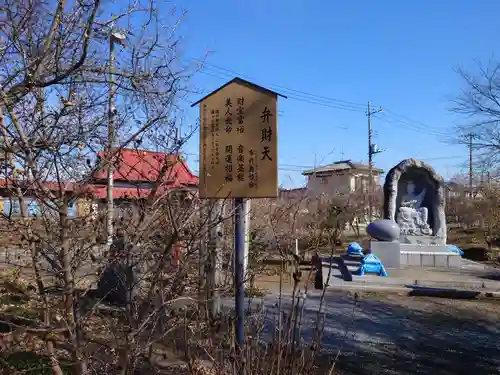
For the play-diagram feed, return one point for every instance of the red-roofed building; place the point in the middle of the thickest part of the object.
(136, 173)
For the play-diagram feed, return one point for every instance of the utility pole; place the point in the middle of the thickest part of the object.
(470, 137)
(114, 37)
(371, 152)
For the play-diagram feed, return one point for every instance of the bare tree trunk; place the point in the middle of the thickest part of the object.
(79, 364)
(56, 368)
(22, 205)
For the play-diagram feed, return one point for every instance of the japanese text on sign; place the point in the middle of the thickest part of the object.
(252, 181)
(229, 115)
(240, 143)
(229, 163)
(204, 126)
(241, 164)
(240, 114)
(266, 134)
(215, 119)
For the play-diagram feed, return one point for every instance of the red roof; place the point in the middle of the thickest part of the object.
(99, 191)
(145, 166)
(135, 166)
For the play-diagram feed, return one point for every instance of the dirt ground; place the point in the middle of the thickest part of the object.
(270, 280)
(413, 335)
(391, 334)
(381, 334)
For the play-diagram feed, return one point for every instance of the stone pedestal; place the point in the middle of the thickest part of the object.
(431, 259)
(423, 248)
(399, 255)
(422, 240)
(388, 252)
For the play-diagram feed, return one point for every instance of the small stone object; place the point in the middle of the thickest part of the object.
(384, 230)
(115, 284)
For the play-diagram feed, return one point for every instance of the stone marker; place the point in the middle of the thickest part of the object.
(118, 280)
(414, 198)
(115, 283)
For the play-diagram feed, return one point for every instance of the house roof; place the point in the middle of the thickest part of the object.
(292, 193)
(135, 166)
(100, 191)
(146, 166)
(241, 82)
(452, 185)
(341, 165)
(97, 191)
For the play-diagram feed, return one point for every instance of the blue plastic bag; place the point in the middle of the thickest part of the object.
(372, 264)
(454, 249)
(355, 248)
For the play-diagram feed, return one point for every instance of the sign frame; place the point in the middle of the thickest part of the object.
(239, 142)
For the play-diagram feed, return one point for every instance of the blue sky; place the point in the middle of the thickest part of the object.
(338, 55)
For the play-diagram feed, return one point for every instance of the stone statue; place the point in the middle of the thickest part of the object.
(412, 216)
(414, 198)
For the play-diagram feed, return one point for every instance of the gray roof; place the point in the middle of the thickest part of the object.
(242, 82)
(340, 166)
(296, 192)
(452, 185)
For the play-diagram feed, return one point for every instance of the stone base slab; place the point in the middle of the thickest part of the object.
(429, 248)
(430, 259)
(398, 255)
(421, 240)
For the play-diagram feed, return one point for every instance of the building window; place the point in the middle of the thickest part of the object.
(323, 180)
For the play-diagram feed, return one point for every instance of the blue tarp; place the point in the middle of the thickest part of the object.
(372, 264)
(355, 249)
(454, 249)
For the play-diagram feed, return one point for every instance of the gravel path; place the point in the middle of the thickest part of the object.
(405, 335)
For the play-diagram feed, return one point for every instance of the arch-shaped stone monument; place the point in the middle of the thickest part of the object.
(414, 197)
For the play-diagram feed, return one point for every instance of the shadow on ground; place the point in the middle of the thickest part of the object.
(476, 253)
(27, 363)
(420, 291)
(389, 338)
(495, 276)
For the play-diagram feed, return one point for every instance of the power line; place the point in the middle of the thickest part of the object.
(442, 157)
(303, 167)
(414, 127)
(333, 103)
(345, 102)
(298, 97)
(419, 123)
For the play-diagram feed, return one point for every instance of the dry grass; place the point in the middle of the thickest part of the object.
(270, 280)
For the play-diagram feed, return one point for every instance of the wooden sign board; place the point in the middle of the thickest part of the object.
(239, 142)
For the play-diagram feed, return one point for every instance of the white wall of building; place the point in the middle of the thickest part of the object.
(340, 183)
